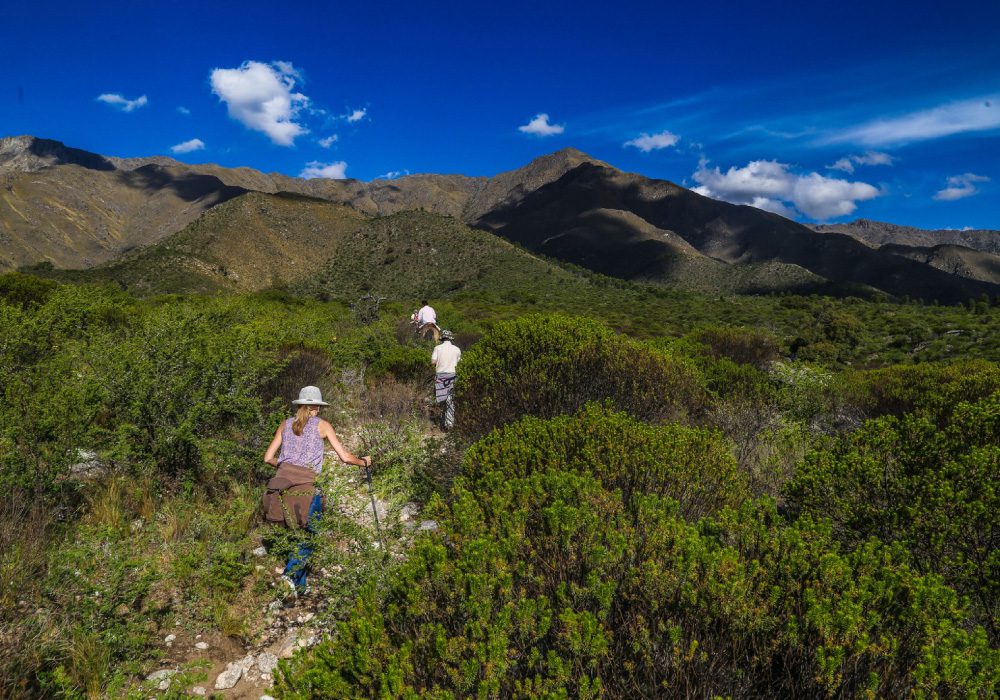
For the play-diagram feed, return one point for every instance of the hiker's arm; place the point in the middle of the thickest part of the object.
(327, 431)
(271, 456)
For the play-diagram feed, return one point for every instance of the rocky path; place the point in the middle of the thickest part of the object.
(286, 624)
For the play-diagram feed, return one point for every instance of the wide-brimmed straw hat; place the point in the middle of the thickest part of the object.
(310, 396)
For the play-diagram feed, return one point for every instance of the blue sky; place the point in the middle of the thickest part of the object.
(824, 111)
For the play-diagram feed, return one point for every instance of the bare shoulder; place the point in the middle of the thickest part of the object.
(325, 427)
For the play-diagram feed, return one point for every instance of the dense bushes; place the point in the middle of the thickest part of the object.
(153, 389)
(932, 490)
(549, 365)
(745, 346)
(692, 467)
(24, 290)
(931, 389)
(581, 553)
(100, 391)
(567, 569)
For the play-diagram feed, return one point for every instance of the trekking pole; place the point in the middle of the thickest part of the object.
(371, 494)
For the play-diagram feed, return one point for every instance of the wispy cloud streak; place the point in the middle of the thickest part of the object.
(960, 187)
(965, 116)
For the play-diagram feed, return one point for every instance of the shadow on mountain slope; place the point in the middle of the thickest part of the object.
(190, 187)
(730, 233)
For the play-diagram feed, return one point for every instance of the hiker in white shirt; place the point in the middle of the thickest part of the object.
(445, 359)
(426, 314)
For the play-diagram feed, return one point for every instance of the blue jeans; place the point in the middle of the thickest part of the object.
(297, 564)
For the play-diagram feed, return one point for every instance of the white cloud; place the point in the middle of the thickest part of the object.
(288, 69)
(960, 187)
(261, 97)
(540, 126)
(329, 141)
(774, 206)
(356, 115)
(331, 171)
(847, 163)
(653, 142)
(188, 146)
(979, 114)
(393, 174)
(125, 105)
(185, 111)
(767, 184)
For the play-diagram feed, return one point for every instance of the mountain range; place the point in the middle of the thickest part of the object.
(161, 225)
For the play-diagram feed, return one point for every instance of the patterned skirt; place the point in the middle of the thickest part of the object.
(444, 382)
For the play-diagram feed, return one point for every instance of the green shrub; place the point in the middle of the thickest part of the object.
(745, 346)
(24, 290)
(588, 581)
(551, 365)
(181, 378)
(404, 362)
(692, 467)
(931, 489)
(931, 389)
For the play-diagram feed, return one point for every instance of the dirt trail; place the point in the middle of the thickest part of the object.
(231, 668)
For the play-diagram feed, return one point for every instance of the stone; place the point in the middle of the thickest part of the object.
(381, 510)
(428, 525)
(260, 551)
(267, 662)
(285, 647)
(88, 467)
(266, 697)
(230, 677)
(408, 512)
(202, 646)
(169, 638)
(198, 690)
(163, 676)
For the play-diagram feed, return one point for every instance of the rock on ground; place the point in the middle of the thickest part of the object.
(285, 647)
(267, 662)
(229, 678)
(408, 512)
(163, 676)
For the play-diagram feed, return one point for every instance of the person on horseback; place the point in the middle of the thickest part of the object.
(425, 321)
(445, 358)
(292, 497)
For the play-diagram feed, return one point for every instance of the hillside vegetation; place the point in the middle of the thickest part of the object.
(66, 208)
(648, 493)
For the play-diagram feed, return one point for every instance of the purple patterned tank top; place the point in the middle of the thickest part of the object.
(305, 450)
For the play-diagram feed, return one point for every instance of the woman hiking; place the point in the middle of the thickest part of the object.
(292, 496)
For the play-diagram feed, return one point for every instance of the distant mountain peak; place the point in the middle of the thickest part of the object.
(565, 159)
(29, 154)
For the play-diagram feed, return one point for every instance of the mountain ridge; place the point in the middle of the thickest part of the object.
(879, 233)
(71, 208)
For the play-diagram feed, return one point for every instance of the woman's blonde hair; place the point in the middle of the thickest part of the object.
(301, 418)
